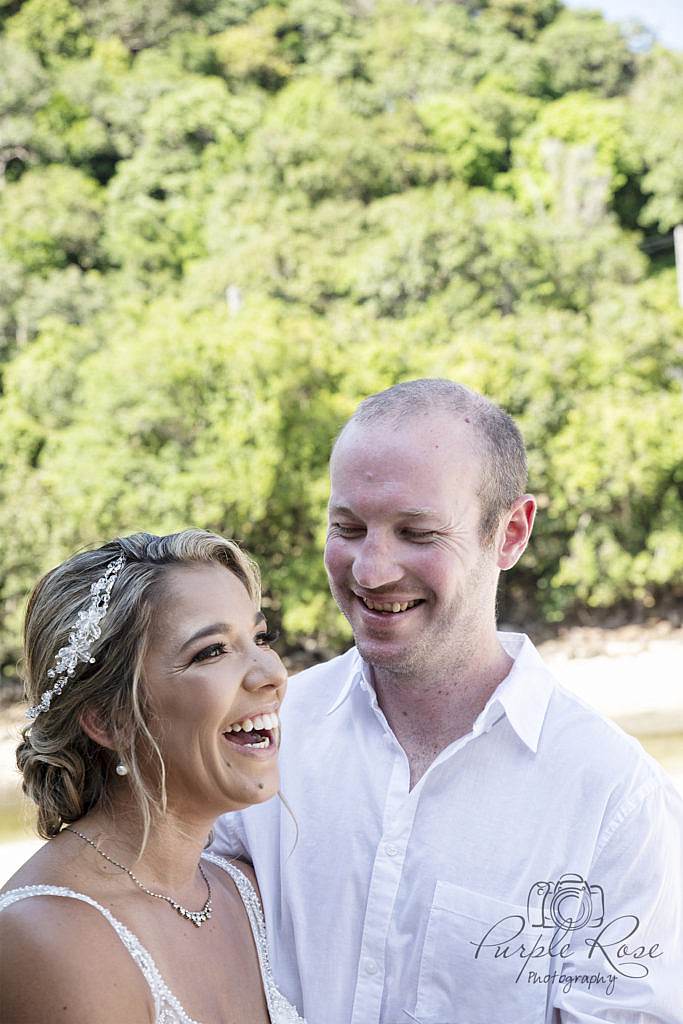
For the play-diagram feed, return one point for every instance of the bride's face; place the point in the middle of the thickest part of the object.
(210, 674)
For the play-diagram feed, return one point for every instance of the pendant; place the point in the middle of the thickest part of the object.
(198, 917)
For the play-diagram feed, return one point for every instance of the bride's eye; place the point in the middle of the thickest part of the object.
(214, 651)
(267, 638)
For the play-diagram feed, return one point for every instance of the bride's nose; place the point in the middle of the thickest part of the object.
(265, 669)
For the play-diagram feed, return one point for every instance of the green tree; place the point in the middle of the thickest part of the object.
(656, 121)
(254, 51)
(52, 29)
(580, 50)
(140, 25)
(311, 142)
(50, 218)
(475, 128)
(23, 89)
(524, 18)
(73, 124)
(223, 222)
(156, 201)
(574, 157)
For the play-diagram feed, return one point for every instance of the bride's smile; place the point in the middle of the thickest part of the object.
(209, 668)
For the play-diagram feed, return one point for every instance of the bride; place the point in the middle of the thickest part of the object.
(155, 698)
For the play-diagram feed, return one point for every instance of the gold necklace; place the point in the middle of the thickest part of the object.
(198, 917)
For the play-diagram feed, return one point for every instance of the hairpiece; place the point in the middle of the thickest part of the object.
(84, 632)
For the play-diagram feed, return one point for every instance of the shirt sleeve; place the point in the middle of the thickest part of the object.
(229, 837)
(629, 968)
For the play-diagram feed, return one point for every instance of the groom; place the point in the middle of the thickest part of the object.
(468, 844)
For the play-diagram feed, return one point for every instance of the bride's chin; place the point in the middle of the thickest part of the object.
(249, 792)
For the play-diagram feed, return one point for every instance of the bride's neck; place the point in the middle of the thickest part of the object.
(170, 855)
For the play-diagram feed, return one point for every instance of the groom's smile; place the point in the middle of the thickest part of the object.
(403, 553)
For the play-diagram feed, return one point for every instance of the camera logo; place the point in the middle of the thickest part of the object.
(570, 903)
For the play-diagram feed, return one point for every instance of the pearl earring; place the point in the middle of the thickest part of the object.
(121, 769)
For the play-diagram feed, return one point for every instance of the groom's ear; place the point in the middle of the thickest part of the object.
(515, 535)
(92, 726)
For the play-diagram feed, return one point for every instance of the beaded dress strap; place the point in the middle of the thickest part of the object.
(161, 994)
(280, 1009)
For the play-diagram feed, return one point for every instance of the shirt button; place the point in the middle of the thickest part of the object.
(370, 967)
(390, 850)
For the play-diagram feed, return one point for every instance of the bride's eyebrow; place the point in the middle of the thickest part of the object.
(216, 627)
(219, 627)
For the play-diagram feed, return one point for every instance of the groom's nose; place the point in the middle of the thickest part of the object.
(375, 563)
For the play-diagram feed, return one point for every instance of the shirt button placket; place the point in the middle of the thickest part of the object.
(370, 984)
(387, 868)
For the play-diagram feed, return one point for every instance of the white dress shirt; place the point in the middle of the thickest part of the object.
(391, 906)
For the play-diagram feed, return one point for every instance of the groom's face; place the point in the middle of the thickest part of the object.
(403, 553)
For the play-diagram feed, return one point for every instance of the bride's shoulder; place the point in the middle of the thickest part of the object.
(46, 866)
(245, 868)
(57, 951)
(232, 865)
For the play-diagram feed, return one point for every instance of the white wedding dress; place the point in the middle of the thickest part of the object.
(167, 1009)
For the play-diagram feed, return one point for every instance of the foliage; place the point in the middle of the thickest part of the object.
(524, 18)
(580, 50)
(574, 157)
(224, 222)
(24, 88)
(52, 29)
(51, 217)
(656, 120)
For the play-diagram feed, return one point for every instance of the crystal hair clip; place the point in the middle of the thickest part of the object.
(84, 632)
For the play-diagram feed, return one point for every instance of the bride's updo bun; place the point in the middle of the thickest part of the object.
(65, 772)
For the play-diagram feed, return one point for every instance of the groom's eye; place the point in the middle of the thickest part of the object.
(346, 530)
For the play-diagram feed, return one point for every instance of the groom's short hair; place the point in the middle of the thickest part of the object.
(502, 452)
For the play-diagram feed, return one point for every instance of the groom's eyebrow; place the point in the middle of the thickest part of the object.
(403, 513)
(219, 627)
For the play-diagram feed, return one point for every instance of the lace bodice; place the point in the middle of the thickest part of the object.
(167, 1009)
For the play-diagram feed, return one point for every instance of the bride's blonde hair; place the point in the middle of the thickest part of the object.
(65, 772)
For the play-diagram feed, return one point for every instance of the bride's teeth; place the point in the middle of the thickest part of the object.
(269, 721)
(261, 744)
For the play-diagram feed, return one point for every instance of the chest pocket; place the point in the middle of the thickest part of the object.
(457, 984)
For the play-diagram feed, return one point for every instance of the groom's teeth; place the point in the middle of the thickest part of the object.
(394, 606)
(258, 722)
(247, 725)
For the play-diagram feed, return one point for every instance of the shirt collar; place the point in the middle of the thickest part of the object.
(357, 673)
(523, 696)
